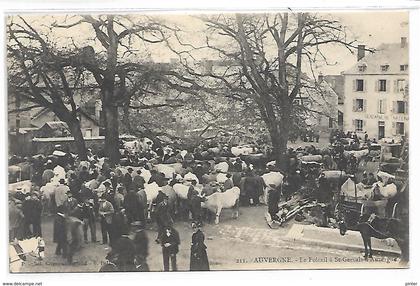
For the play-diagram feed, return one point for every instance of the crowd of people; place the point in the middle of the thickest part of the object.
(93, 192)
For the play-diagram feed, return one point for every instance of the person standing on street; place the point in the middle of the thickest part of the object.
(198, 259)
(106, 212)
(60, 232)
(60, 193)
(89, 220)
(32, 210)
(170, 247)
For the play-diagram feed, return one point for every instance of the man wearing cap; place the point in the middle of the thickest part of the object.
(60, 193)
(106, 212)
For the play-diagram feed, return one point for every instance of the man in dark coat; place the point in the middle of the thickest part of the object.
(324, 192)
(273, 202)
(138, 181)
(89, 219)
(163, 217)
(32, 210)
(198, 259)
(170, 247)
(128, 179)
(133, 209)
(60, 232)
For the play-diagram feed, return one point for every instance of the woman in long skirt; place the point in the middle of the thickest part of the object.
(199, 260)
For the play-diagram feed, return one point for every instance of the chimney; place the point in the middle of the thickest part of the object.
(360, 52)
(403, 42)
(320, 77)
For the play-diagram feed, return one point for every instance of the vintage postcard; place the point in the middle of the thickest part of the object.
(218, 141)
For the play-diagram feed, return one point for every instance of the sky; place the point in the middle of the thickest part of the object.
(369, 28)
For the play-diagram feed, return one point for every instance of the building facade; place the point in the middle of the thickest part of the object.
(376, 92)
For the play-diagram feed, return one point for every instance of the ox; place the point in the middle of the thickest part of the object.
(218, 201)
(23, 186)
(241, 150)
(272, 178)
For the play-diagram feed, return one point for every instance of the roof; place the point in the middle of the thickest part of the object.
(387, 54)
(56, 124)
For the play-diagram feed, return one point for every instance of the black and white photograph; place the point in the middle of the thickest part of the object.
(157, 141)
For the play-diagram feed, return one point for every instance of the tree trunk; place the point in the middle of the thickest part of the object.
(111, 133)
(79, 141)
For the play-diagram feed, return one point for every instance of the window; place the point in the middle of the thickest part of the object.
(403, 67)
(384, 68)
(330, 122)
(400, 107)
(399, 128)
(358, 125)
(382, 85)
(362, 67)
(360, 85)
(88, 133)
(400, 85)
(382, 106)
(359, 105)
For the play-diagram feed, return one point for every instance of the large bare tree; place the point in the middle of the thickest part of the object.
(36, 74)
(263, 58)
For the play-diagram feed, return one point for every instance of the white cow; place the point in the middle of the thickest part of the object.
(241, 150)
(271, 178)
(387, 191)
(222, 167)
(218, 201)
(181, 190)
(59, 173)
(358, 154)
(221, 178)
(152, 191)
(168, 171)
(23, 186)
(191, 177)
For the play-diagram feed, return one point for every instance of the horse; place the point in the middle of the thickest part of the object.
(18, 250)
(370, 225)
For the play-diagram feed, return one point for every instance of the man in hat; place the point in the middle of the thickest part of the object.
(88, 218)
(32, 210)
(324, 189)
(106, 213)
(170, 247)
(60, 193)
(60, 232)
(141, 243)
(133, 209)
(138, 181)
(163, 217)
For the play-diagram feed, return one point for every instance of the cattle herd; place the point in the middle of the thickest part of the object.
(222, 176)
